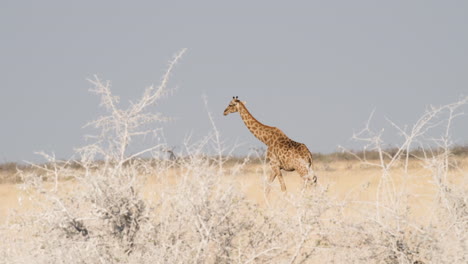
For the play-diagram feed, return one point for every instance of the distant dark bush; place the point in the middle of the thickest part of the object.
(8, 172)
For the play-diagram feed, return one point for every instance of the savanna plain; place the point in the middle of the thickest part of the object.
(114, 203)
(220, 213)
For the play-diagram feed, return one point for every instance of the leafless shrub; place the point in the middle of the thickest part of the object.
(406, 241)
(105, 211)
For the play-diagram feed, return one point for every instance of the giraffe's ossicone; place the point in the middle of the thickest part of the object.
(283, 153)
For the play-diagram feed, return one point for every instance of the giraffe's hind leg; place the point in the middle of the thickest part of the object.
(309, 177)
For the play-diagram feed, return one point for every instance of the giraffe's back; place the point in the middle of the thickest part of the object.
(292, 155)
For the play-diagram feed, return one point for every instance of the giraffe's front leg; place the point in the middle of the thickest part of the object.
(281, 180)
(276, 172)
(271, 179)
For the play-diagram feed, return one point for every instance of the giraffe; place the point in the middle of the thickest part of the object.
(282, 152)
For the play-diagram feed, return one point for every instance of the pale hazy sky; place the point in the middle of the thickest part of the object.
(315, 69)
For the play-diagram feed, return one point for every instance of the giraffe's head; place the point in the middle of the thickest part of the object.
(233, 106)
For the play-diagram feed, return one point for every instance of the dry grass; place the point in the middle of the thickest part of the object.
(344, 179)
(350, 185)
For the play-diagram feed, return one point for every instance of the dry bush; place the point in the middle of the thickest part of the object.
(444, 240)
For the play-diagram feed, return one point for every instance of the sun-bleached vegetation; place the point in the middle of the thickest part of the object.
(111, 205)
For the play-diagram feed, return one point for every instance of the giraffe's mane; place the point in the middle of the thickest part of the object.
(243, 105)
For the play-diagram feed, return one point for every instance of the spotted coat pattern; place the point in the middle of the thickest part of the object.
(283, 153)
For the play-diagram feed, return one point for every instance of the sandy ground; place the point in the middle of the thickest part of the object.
(346, 180)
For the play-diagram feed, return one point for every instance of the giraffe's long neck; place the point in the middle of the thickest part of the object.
(264, 133)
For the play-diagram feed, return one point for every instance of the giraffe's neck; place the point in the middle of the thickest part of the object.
(264, 133)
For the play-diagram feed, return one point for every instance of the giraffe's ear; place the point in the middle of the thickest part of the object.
(244, 102)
